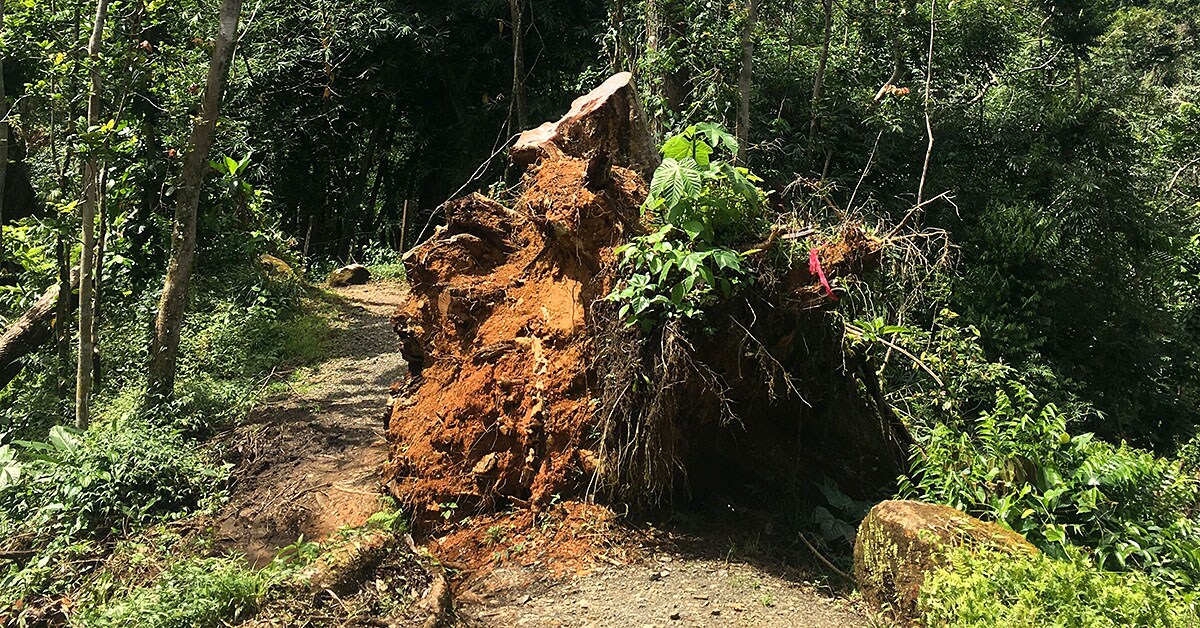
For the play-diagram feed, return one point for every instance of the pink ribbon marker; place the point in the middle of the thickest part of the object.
(814, 267)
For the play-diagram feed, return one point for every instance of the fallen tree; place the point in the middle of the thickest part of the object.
(528, 383)
(32, 330)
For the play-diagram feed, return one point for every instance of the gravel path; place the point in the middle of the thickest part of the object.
(663, 591)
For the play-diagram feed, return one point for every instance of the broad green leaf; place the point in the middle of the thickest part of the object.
(63, 440)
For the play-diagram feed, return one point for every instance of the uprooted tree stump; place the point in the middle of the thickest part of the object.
(525, 385)
(901, 542)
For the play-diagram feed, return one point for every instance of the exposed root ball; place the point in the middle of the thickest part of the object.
(499, 327)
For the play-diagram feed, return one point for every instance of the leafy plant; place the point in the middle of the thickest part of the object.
(707, 198)
(1002, 591)
(1021, 467)
(672, 280)
(702, 205)
(117, 475)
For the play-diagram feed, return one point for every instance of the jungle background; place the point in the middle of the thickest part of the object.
(1036, 164)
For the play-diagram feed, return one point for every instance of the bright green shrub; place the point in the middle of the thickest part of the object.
(1001, 591)
(702, 206)
(1021, 468)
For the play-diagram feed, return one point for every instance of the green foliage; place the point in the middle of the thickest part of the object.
(200, 592)
(710, 199)
(118, 475)
(669, 279)
(1001, 591)
(73, 490)
(703, 205)
(1019, 466)
(384, 263)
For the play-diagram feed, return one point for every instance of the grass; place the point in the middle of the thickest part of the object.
(393, 271)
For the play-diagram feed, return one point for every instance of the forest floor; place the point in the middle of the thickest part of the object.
(307, 463)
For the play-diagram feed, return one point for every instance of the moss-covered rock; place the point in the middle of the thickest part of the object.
(900, 542)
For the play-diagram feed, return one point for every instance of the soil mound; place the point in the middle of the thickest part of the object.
(526, 388)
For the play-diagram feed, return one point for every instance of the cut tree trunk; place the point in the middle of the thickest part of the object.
(610, 119)
(32, 330)
(91, 182)
(171, 306)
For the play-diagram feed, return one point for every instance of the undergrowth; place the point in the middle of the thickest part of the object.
(1001, 591)
(66, 496)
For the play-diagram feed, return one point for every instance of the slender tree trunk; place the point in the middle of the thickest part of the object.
(404, 227)
(101, 244)
(517, 8)
(745, 77)
(928, 123)
(617, 21)
(173, 302)
(819, 79)
(654, 84)
(3, 140)
(91, 182)
(62, 316)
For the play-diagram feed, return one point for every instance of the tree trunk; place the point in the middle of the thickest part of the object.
(819, 79)
(744, 80)
(3, 141)
(33, 329)
(654, 84)
(101, 244)
(171, 306)
(62, 316)
(91, 181)
(517, 8)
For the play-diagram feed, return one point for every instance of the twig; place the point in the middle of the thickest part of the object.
(859, 333)
(928, 81)
(1180, 172)
(865, 170)
(824, 561)
(912, 212)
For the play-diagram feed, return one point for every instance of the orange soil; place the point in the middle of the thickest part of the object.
(498, 328)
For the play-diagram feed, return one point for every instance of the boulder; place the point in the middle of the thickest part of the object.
(352, 275)
(900, 542)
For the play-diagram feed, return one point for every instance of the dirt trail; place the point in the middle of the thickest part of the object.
(663, 591)
(307, 462)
